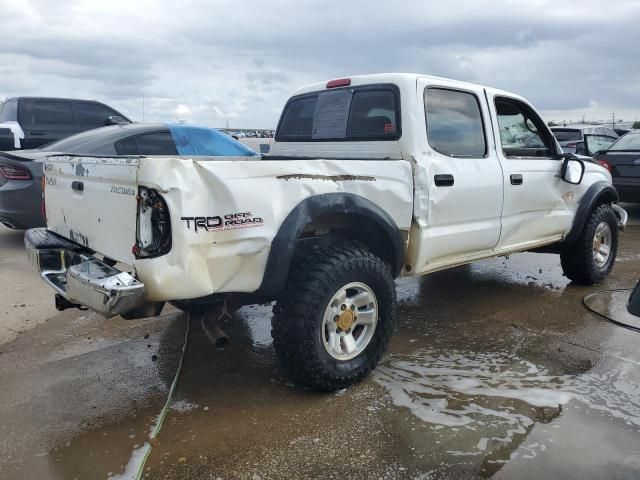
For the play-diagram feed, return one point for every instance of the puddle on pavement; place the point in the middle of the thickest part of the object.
(613, 305)
(486, 404)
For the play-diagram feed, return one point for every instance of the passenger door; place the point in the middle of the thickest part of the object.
(536, 200)
(463, 178)
(46, 121)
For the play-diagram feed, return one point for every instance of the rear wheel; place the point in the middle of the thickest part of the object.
(334, 319)
(589, 259)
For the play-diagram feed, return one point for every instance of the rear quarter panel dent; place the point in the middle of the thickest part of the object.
(221, 259)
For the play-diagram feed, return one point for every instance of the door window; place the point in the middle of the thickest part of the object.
(454, 123)
(522, 131)
(92, 114)
(127, 146)
(52, 112)
(157, 143)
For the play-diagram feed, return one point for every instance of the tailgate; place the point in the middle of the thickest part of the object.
(92, 201)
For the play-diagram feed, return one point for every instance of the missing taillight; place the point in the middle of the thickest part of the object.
(153, 236)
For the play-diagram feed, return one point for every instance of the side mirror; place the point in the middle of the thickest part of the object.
(633, 306)
(114, 120)
(572, 170)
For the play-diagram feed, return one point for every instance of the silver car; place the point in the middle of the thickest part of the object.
(571, 137)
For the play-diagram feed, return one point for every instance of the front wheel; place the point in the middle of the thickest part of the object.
(334, 319)
(589, 259)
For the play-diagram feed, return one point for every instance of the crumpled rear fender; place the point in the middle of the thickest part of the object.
(226, 216)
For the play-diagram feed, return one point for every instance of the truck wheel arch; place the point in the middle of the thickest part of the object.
(596, 194)
(286, 240)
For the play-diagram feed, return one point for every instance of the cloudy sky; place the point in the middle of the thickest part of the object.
(213, 62)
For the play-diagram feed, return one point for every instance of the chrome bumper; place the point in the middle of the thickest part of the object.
(622, 215)
(73, 272)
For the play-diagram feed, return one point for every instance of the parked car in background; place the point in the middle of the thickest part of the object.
(31, 122)
(570, 136)
(21, 172)
(622, 159)
(621, 131)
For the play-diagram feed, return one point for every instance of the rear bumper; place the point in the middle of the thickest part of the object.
(73, 272)
(20, 204)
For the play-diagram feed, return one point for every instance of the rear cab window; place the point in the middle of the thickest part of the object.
(358, 113)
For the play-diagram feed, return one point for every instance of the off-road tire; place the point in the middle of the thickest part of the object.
(298, 316)
(577, 258)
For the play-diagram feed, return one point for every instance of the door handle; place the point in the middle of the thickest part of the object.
(77, 186)
(516, 179)
(443, 180)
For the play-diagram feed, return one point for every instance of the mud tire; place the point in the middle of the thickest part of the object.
(577, 258)
(297, 322)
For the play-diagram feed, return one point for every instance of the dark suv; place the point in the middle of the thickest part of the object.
(30, 122)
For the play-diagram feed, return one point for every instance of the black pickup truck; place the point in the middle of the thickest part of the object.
(30, 122)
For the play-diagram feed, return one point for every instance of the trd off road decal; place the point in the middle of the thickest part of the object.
(230, 221)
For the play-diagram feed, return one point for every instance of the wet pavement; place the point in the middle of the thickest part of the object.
(496, 369)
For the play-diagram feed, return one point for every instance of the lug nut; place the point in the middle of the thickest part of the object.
(343, 307)
(336, 318)
(353, 307)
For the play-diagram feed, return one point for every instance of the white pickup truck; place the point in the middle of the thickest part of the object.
(370, 178)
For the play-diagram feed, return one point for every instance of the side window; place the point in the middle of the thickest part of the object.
(128, 146)
(522, 132)
(454, 123)
(52, 112)
(92, 114)
(156, 143)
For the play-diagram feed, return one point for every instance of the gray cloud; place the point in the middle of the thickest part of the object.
(237, 62)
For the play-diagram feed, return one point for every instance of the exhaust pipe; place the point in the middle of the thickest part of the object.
(214, 333)
(63, 304)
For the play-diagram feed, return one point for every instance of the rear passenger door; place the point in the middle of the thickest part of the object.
(463, 176)
(536, 201)
(46, 120)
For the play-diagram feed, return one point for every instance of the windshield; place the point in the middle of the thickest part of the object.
(566, 134)
(631, 141)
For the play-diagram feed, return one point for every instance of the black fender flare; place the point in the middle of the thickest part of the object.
(596, 194)
(284, 243)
